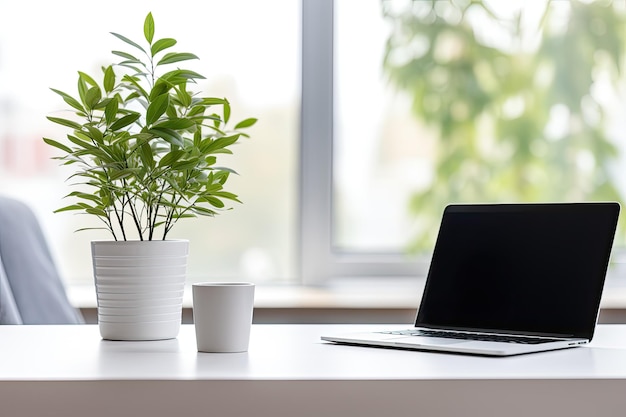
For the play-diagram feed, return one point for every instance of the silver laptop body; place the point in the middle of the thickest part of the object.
(508, 279)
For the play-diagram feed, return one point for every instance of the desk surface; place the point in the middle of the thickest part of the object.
(73, 369)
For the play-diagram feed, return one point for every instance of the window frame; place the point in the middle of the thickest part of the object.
(319, 262)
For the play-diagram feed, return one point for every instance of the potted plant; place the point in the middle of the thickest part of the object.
(145, 150)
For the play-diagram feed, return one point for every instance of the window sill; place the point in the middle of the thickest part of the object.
(397, 294)
(362, 302)
(349, 294)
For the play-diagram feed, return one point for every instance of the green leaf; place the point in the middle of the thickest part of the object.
(122, 173)
(65, 122)
(70, 100)
(148, 28)
(176, 57)
(109, 79)
(127, 56)
(210, 186)
(82, 229)
(171, 111)
(215, 202)
(128, 41)
(110, 111)
(225, 194)
(190, 75)
(87, 79)
(169, 135)
(215, 118)
(132, 96)
(95, 133)
(186, 164)
(160, 87)
(246, 123)
(157, 108)
(57, 145)
(68, 208)
(82, 88)
(135, 83)
(92, 97)
(101, 105)
(179, 76)
(211, 146)
(222, 175)
(226, 111)
(146, 155)
(85, 196)
(203, 211)
(125, 121)
(174, 185)
(96, 211)
(83, 144)
(183, 96)
(176, 124)
(211, 101)
(162, 44)
(195, 111)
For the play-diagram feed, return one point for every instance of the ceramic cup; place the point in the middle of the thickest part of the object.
(222, 315)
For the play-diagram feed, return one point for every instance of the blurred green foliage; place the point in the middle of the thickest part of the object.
(514, 100)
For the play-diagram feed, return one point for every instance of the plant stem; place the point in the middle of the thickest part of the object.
(109, 225)
(155, 216)
(120, 221)
(136, 220)
(133, 212)
(170, 216)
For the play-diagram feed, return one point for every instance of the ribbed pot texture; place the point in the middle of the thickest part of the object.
(139, 287)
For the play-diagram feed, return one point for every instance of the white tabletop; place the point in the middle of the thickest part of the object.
(291, 362)
(281, 352)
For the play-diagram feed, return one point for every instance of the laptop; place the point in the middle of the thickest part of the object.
(509, 279)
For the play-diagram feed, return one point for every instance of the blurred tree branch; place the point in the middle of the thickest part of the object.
(515, 105)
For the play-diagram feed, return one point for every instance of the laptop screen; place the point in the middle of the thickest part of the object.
(527, 268)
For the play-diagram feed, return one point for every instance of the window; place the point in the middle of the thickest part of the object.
(456, 101)
(249, 52)
(320, 258)
(374, 114)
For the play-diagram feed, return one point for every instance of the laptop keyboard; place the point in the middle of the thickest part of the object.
(472, 336)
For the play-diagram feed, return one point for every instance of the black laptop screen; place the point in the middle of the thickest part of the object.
(535, 268)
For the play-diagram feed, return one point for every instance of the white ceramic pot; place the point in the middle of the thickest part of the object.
(139, 287)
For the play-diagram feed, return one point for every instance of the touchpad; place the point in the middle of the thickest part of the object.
(428, 341)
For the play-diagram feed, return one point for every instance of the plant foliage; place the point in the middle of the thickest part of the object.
(494, 104)
(145, 144)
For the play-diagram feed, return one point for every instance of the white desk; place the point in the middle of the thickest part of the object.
(288, 371)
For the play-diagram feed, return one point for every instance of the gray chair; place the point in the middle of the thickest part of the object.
(31, 291)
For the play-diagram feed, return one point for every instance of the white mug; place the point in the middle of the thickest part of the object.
(222, 315)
